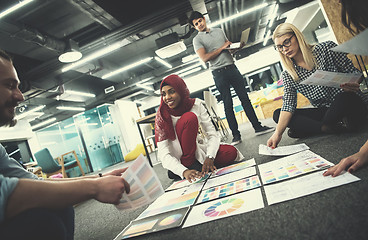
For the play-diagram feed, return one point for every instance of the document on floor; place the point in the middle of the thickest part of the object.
(229, 189)
(185, 183)
(230, 177)
(331, 79)
(179, 198)
(225, 207)
(145, 186)
(156, 223)
(305, 185)
(291, 166)
(233, 168)
(282, 150)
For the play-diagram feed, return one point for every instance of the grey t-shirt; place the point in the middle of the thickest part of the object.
(211, 41)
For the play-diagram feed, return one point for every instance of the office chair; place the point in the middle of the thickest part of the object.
(50, 166)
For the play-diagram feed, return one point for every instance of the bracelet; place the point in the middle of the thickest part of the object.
(100, 174)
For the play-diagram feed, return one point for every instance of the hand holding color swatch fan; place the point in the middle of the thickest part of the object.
(145, 186)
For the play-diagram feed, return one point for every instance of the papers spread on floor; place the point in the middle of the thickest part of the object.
(172, 200)
(155, 223)
(185, 183)
(282, 150)
(230, 177)
(331, 79)
(234, 167)
(292, 166)
(305, 185)
(225, 207)
(145, 186)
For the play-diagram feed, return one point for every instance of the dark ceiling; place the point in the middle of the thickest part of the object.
(36, 35)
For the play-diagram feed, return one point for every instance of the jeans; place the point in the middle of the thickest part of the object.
(230, 76)
(40, 223)
(309, 121)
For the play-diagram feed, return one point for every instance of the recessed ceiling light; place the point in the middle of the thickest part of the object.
(69, 57)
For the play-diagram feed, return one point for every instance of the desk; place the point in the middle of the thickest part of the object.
(146, 120)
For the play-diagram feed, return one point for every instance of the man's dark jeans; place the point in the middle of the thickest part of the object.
(230, 76)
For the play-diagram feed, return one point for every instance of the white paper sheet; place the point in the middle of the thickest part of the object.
(282, 150)
(229, 189)
(234, 167)
(225, 207)
(172, 200)
(230, 177)
(292, 166)
(185, 183)
(356, 45)
(145, 186)
(305, 185)
(331, 79)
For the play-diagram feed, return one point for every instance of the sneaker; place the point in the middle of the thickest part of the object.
(263, 129)
(236, 140)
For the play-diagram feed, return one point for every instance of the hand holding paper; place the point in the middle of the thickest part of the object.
(332, 79)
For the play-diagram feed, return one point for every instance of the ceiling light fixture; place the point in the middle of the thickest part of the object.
(48, 121)
(273, 16)
(242, 13)
(71, 108)
(265, 40)
(169, 45)
(144, 86)
(190, 71)
(94, 55)
(130, 66)
(186, 69)
(80, 93)
(189, 58)
(71, 53)
(23, 115)
(192, 58)
(171, 50)
(14, 8)
(163, 62)
(145, 80)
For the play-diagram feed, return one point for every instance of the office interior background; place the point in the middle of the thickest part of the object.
(90, 104)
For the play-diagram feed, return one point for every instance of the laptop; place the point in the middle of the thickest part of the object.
(243, 39)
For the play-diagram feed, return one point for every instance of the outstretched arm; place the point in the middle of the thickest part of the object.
(49, 194)
(351, 163)
(284, 120)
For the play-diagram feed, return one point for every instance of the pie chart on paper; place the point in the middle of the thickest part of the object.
(223, 207)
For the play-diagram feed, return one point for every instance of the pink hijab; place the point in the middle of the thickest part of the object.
(164, 128)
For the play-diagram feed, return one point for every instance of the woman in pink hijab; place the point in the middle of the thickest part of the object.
(180, 148)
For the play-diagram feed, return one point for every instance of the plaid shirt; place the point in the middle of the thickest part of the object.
(319, 96)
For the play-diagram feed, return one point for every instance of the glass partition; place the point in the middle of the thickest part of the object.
(92, 135)
(62, 138)
(101, 137)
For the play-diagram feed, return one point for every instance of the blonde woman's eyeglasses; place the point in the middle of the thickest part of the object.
(286, 43)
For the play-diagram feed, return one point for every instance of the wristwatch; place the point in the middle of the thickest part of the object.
(210, 157)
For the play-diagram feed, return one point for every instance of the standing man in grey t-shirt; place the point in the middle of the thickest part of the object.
(211, 45)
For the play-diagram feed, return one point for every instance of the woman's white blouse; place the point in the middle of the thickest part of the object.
(169, 152)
